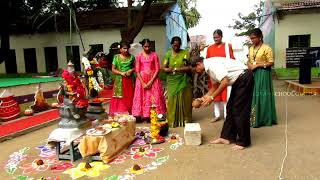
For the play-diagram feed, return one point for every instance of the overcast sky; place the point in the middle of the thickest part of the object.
(219, 14)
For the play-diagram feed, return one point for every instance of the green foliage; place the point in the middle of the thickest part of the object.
(190, 12)
(245, 23)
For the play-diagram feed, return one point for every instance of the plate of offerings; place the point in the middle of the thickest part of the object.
(98, 131)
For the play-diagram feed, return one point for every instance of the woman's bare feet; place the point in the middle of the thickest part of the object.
(220, 141)
(237, 147)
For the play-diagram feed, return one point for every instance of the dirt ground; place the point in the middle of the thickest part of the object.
(260, 161)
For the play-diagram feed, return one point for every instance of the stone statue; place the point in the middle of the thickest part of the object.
(74, 107)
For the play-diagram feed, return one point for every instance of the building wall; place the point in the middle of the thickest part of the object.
(295, 24)
(2, 68)
(61, 40)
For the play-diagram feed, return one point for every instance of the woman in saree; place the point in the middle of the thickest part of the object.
(179, 85)
(148, 89)
(263, 112)
(220, 49)
(122, 68)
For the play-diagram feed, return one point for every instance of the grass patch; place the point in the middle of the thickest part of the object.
(22, 75)
(294, 72)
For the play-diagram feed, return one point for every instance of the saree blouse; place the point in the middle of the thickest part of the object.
(260, 54)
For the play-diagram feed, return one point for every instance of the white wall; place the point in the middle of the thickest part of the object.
(157, 34)
(2, 68)
(61, 40)
(295, 24)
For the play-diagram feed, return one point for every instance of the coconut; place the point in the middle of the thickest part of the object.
(196, 103)
(28, 112)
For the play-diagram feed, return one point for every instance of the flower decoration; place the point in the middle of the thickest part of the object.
(144, 151)
(140, 142)
(38, 165)
(83, 170)
(176, 141)
(20, 177)
(174, 138)
(142, 137)
(30, 178)
(121, 177)
(158, 162)
(75, 89)
(46, 151)
(119, 159)
(143, 134)
(159, 127)
(15, 159)
(48, 178)
(61, 166)
(136, 170)
(95, 76)
(89, 71)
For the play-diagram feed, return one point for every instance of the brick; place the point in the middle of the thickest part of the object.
(192, 134)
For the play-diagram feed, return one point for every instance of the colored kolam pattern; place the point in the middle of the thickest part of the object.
(140, 150)
(15, 159)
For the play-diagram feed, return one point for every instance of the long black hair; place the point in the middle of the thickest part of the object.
(218, 31)
(257, 32)
(124, 43)
(176, 38)
(144, 41)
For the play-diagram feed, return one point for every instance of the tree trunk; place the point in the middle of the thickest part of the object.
(129, 13)
(4, 30)
(132, 30)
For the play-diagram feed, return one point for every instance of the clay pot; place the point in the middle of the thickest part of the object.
(9, 107)
(196, 103)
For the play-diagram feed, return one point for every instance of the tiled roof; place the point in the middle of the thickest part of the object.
(302, 4)
(102, 18)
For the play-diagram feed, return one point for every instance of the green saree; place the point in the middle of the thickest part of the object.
(121, 65)
(179, 90)
(263, 104)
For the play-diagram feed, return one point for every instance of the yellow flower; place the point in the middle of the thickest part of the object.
(89, 72)
(81, 170)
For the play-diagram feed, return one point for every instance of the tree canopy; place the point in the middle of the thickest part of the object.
(245, 23)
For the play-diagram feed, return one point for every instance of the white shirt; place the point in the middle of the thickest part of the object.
(220, 67)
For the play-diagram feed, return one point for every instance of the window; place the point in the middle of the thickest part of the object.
(30, 60)
(153, 46)
(96, 48)
(299, 41)
(11, 63)
(51, 58)
(73, 55)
